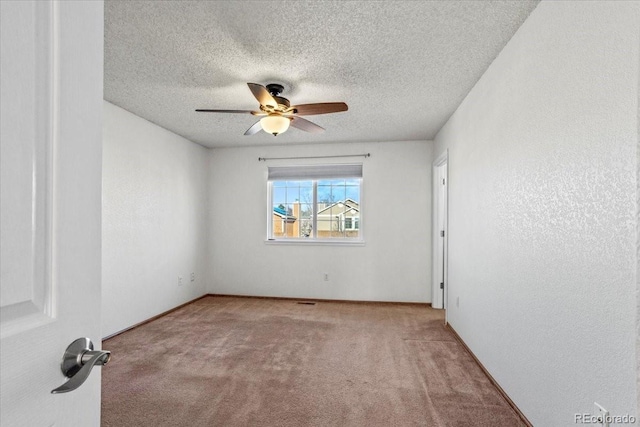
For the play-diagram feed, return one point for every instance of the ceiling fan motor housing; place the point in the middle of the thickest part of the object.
(275, 89)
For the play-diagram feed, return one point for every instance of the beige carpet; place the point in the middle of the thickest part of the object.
(226, 361)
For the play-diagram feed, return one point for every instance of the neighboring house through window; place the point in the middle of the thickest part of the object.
(316, 202)
(338, 219)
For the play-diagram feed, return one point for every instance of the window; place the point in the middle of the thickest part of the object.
(351, 223)
(315, 203)
(347, 223)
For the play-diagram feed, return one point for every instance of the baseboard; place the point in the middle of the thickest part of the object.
(422, 304)
(493, 381)
(151, 319)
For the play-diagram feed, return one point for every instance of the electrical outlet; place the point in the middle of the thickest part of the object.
(602, 415)
(326, 277)
(179, 280)
(193, 277)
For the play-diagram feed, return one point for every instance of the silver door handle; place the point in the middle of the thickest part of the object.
(78, 360)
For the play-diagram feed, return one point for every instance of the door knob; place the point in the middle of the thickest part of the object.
(78, 360)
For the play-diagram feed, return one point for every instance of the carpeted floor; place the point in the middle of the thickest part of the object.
(226, 361)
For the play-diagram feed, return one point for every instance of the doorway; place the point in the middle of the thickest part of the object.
(440, 232)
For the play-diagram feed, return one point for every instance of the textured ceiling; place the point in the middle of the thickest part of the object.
(403, 67)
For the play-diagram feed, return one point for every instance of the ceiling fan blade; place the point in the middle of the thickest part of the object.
(319, 108)
(306, 125)
(254, 129)
(262, 95)
(228, 111)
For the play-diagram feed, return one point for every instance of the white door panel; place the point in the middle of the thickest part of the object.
(50, 205)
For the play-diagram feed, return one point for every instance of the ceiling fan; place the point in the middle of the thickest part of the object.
(279, 113)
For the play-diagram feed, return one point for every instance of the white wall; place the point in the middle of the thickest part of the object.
(154, 219)
(542, 158)
(394, 263)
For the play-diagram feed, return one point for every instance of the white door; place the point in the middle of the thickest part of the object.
(50, 206)
(439, 232)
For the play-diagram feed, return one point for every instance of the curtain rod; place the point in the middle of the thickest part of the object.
(264, 159)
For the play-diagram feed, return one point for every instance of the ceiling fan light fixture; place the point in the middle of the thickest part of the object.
(278, 112)
(275, 124)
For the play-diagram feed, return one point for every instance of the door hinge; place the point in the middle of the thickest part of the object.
(441, 285)
(441, 233)
(442, 181)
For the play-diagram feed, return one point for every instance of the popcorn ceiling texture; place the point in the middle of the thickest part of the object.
(543, 187)
(402, 67)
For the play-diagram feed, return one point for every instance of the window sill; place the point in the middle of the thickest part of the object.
(314, 242)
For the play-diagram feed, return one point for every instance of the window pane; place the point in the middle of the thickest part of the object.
(306, 210)
(353, 193)
(278, 222)
(324, 194)
(279, 195)
(293, 194)
(306, 194)
(288, 198)
(306, 220)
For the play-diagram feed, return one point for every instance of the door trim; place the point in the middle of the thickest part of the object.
(442, 160)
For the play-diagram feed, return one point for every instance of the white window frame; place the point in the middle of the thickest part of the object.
(315, 170)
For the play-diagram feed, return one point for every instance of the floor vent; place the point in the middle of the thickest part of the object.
(306, 303)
